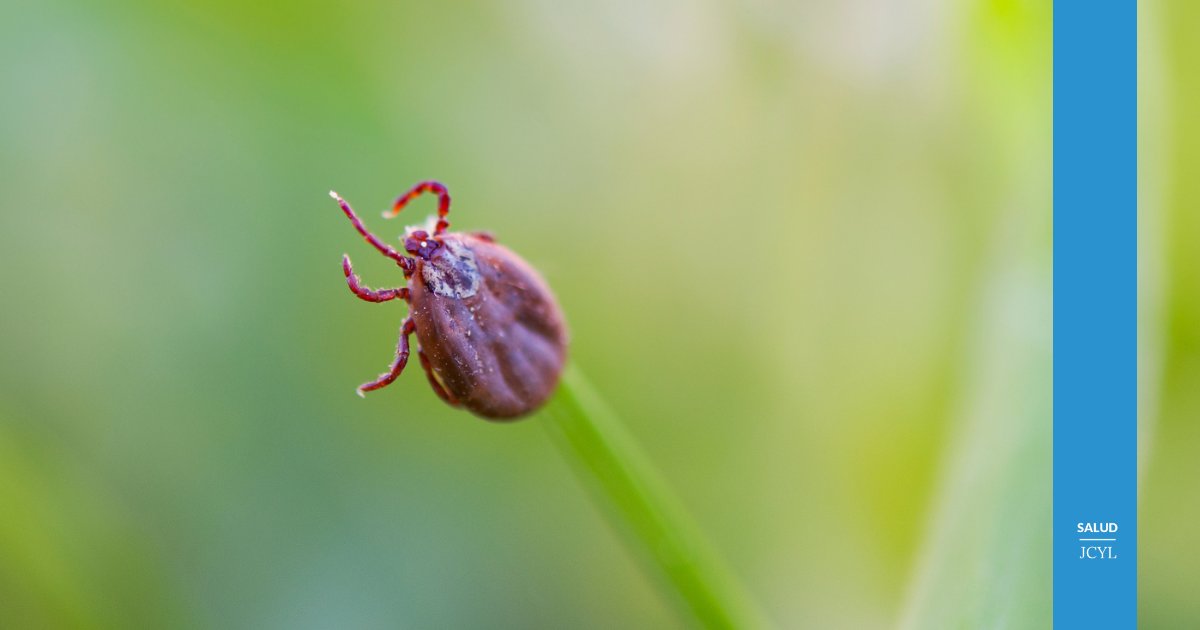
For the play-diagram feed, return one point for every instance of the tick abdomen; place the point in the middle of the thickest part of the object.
(487, 322)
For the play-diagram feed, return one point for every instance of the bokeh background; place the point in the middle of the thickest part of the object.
(1169, 314)
(804, 249)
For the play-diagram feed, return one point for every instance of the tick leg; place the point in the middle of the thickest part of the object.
(397, 366)
(437, 387)
(381, 295)
(406, 263)
(425, 187)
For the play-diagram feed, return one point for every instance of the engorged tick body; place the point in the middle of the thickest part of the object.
(490, 335)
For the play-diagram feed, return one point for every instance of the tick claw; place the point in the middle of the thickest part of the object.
(359, 391)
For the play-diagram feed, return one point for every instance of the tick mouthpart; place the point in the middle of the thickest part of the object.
(420, 243)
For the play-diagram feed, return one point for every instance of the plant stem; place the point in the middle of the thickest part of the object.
(641, 506)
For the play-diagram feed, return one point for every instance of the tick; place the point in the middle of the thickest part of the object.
(490, 335)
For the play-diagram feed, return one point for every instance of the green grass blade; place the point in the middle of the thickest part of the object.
(986, 558)
(632, 494)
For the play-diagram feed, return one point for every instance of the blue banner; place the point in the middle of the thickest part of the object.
(1095, 314)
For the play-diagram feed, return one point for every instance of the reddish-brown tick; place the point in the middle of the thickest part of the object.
(490, 335)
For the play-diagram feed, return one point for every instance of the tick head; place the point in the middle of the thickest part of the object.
(421, 243)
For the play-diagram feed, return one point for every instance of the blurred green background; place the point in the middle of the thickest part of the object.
(804, 250)
(1169, 314)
